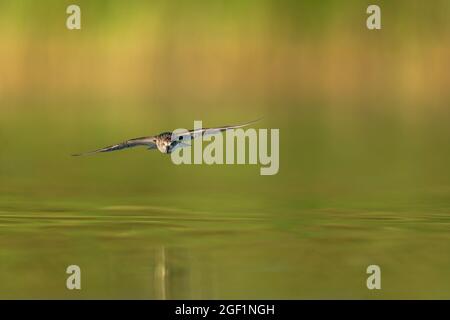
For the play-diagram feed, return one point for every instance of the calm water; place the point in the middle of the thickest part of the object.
(155, 252)
(140, 227)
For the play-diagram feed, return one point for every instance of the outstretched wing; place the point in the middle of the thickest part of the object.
(144, 141)
(192, 134)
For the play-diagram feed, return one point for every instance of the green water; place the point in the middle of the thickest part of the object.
(364, 173)
(353, 190)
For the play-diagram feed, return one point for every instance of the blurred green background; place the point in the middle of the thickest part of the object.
(364, 149)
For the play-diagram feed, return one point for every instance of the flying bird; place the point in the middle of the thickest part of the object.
(166, 142)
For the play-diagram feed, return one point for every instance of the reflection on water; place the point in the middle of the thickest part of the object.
(152, 253)
(161, 276)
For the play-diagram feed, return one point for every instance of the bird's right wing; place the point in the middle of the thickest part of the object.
(143, 141)
(193, 134)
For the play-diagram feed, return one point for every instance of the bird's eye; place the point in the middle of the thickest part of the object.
(180, 138)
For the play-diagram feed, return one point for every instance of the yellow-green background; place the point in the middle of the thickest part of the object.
(364, 149)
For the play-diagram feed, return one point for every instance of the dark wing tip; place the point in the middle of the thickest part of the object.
(84, 154)
(257, 120)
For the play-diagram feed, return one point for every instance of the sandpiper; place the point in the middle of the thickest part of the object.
(166, 142)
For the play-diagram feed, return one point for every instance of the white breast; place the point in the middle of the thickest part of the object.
(162, 146)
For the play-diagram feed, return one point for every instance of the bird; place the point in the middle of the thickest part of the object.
(165, 142)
